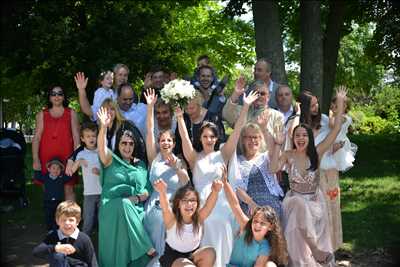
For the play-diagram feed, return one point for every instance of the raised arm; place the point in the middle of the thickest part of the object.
(230, 145)
(187, 147)
(104, 154)
(151, 99)
(169, 218)
(274, 155)
(36, 141)
(240, 216)
(231, 110)
(211, 200)
(330, 138)
(81, 83)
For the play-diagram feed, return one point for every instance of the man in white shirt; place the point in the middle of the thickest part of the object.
(284, 99)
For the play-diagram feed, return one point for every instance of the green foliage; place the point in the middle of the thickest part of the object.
(49, 41)
(380, 115)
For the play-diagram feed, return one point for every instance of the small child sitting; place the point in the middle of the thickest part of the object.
(67, 246)
(88, 159)
(53, 181)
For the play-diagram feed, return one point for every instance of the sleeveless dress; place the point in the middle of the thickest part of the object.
(259, 183)
(329, 183)
(123, 240)
(218, 232)
(56, 140)
(153, 219)
(305, 210)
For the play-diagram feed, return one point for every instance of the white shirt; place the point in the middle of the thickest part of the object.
(100, 95)
(74, 235)
(91, 181)
(186, 240)
(137, 115)
(286, 114)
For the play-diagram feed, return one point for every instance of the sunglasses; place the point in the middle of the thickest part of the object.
(56, 93)
(125, 143)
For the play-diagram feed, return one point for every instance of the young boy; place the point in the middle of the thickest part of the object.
(88, 160)
(53, 182)
(67, 246)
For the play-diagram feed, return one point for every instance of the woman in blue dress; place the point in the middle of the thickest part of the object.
(258, 186)
(163, 165)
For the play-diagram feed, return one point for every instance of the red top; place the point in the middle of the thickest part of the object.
(56, 140)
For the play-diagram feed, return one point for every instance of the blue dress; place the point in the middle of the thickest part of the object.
(244, 254)
(153, 219)
(259, 183)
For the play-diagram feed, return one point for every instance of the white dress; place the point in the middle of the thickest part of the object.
(218, 229)
(344, 157)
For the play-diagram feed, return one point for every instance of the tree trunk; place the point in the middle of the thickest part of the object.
(311, 47)
(268, 34)
(332, 38)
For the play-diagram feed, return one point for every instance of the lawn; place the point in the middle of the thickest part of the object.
(370, 202)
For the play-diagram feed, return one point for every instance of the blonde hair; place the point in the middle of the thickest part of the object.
(68, 208)
(198, 98)
(256, 127)
(119, 119)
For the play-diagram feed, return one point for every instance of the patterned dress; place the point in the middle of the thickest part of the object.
(260, 183)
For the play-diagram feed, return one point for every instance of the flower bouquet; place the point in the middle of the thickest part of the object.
(177, 93)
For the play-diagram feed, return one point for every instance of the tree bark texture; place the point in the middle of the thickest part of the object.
(268, 34)
(331, 46)
(311, 47)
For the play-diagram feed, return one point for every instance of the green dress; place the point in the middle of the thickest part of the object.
(123, 240)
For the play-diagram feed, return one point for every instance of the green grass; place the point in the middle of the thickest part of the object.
(370, 196)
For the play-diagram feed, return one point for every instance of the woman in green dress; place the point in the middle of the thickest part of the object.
(123, 240)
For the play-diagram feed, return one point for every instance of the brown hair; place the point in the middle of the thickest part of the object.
(179, 195)
(68, 208)
(274, 236)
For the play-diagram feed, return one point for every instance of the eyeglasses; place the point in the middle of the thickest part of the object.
(125, 143)
(252, 137)
(189, 200)
(56, 93)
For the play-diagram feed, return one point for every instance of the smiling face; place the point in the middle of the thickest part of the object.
(260, 226)
(300, 139)
(314, 106)
(206, 78)
(263, 97)
(163, 116)
(67, 224)
(157, 79)
(193, 109)
(54, 170)
(188, 205)
(121, 76)
(166, 142)
(107, 81)
(89, 137)
(126, 98)
(126, 146)
(208, 140)
(251, 139)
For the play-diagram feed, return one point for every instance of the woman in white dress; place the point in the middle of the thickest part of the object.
(206, 166)
(163, 165)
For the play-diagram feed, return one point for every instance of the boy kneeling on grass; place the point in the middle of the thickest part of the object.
(67, 246)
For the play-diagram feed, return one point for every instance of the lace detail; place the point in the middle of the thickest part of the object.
(302, 184)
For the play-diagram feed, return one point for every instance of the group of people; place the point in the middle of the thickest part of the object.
(167, 187)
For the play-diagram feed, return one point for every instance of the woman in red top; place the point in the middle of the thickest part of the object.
(56, 134)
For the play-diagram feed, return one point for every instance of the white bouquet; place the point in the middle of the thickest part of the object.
(177, 93)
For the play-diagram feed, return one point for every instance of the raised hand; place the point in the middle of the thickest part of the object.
(104, 117)
(250, 98)
(81, 81)
(151, 97)
(160, 186)
(239, 88)
(279, 138)
(217, 185)
(341, 92)
(178, 112)
(147, 80)
(263, 119)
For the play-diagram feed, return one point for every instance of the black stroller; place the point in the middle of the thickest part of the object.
(12, 165)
